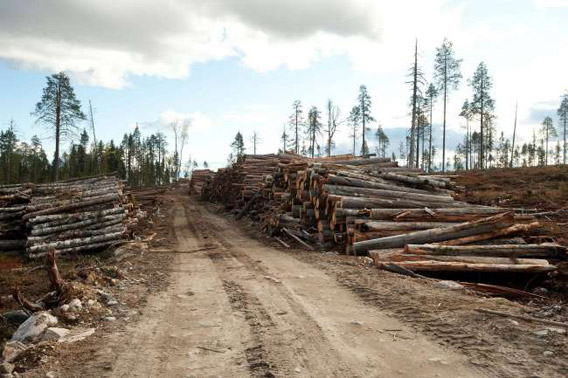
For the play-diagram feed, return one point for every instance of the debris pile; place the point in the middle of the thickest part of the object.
(372, 206)
(71, 216)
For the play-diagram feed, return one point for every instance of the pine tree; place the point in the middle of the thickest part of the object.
(467, 114)
(238, 146)
(548, 131)
(382, 141)
(431, 95)
(314, 129)
(563, 116)
(417, 81)
(60, 110)
(284, 139)
(447, 74)
(333, 115)
(365, 113)
(255, 141)
(354, 120)
(482, 105)
(296, 122)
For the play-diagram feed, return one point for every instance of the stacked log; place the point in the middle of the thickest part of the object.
(13, 202)
(199, 179)
(372, 206)
(77, 215)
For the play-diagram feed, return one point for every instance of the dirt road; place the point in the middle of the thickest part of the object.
(238, 308)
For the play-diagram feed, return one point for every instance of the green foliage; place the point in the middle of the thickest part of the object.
(364, 100)
(238, 146)
(60, 110)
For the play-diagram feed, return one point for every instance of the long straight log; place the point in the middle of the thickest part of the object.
(109, 198)
(405, 257)
(551, 250)
(365, 225)
(413, 180)
(443, 266)
(368, 203)
(39, 231)
(479, 226)
(76, 234)
(381, 193)
(74, 242)
(87, 247)
(492, 234)
(363, 183)
(76, 216)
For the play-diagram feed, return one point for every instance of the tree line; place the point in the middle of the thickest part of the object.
(481, 148)
(141, 161)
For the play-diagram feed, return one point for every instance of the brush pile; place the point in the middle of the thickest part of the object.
(73, 216)
(372, 206)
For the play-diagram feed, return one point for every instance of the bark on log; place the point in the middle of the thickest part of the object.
(39, 231)
(441, 266)
(405, 257)
(476, 227)
(394, 203)
(381, 193)
(551, 250)
(514, 229)
(75, 217)
(74, 242)
(365, 225)
(362, 183)
(80, 205)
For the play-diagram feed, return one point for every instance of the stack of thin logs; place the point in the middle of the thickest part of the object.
(372, 206)
(199, 178)
(13, 202)
(77, 215)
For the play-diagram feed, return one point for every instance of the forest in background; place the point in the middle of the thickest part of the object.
(146, 160)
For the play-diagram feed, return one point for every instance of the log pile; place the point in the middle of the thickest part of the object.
(77, 215)
(13, 202)
(199, 179)
(372, 206)
(72, 216)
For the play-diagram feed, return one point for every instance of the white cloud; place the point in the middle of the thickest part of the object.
(547, 4)
(196, 121)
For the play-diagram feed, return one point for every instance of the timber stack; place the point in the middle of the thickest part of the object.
(13, 202)
(77, 215)
(199, 179)
(394, 214)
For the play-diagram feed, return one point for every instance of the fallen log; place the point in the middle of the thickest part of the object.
(551, 250)
(461, 230)
(382, 193)
(406, 257)
(443, 266)
(366, 225)
(514, 229)
(106, 199)
(74, 242)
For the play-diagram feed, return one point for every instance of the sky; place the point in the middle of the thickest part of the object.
(225, 66)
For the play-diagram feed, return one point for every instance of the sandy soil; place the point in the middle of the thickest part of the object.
(236, 305)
